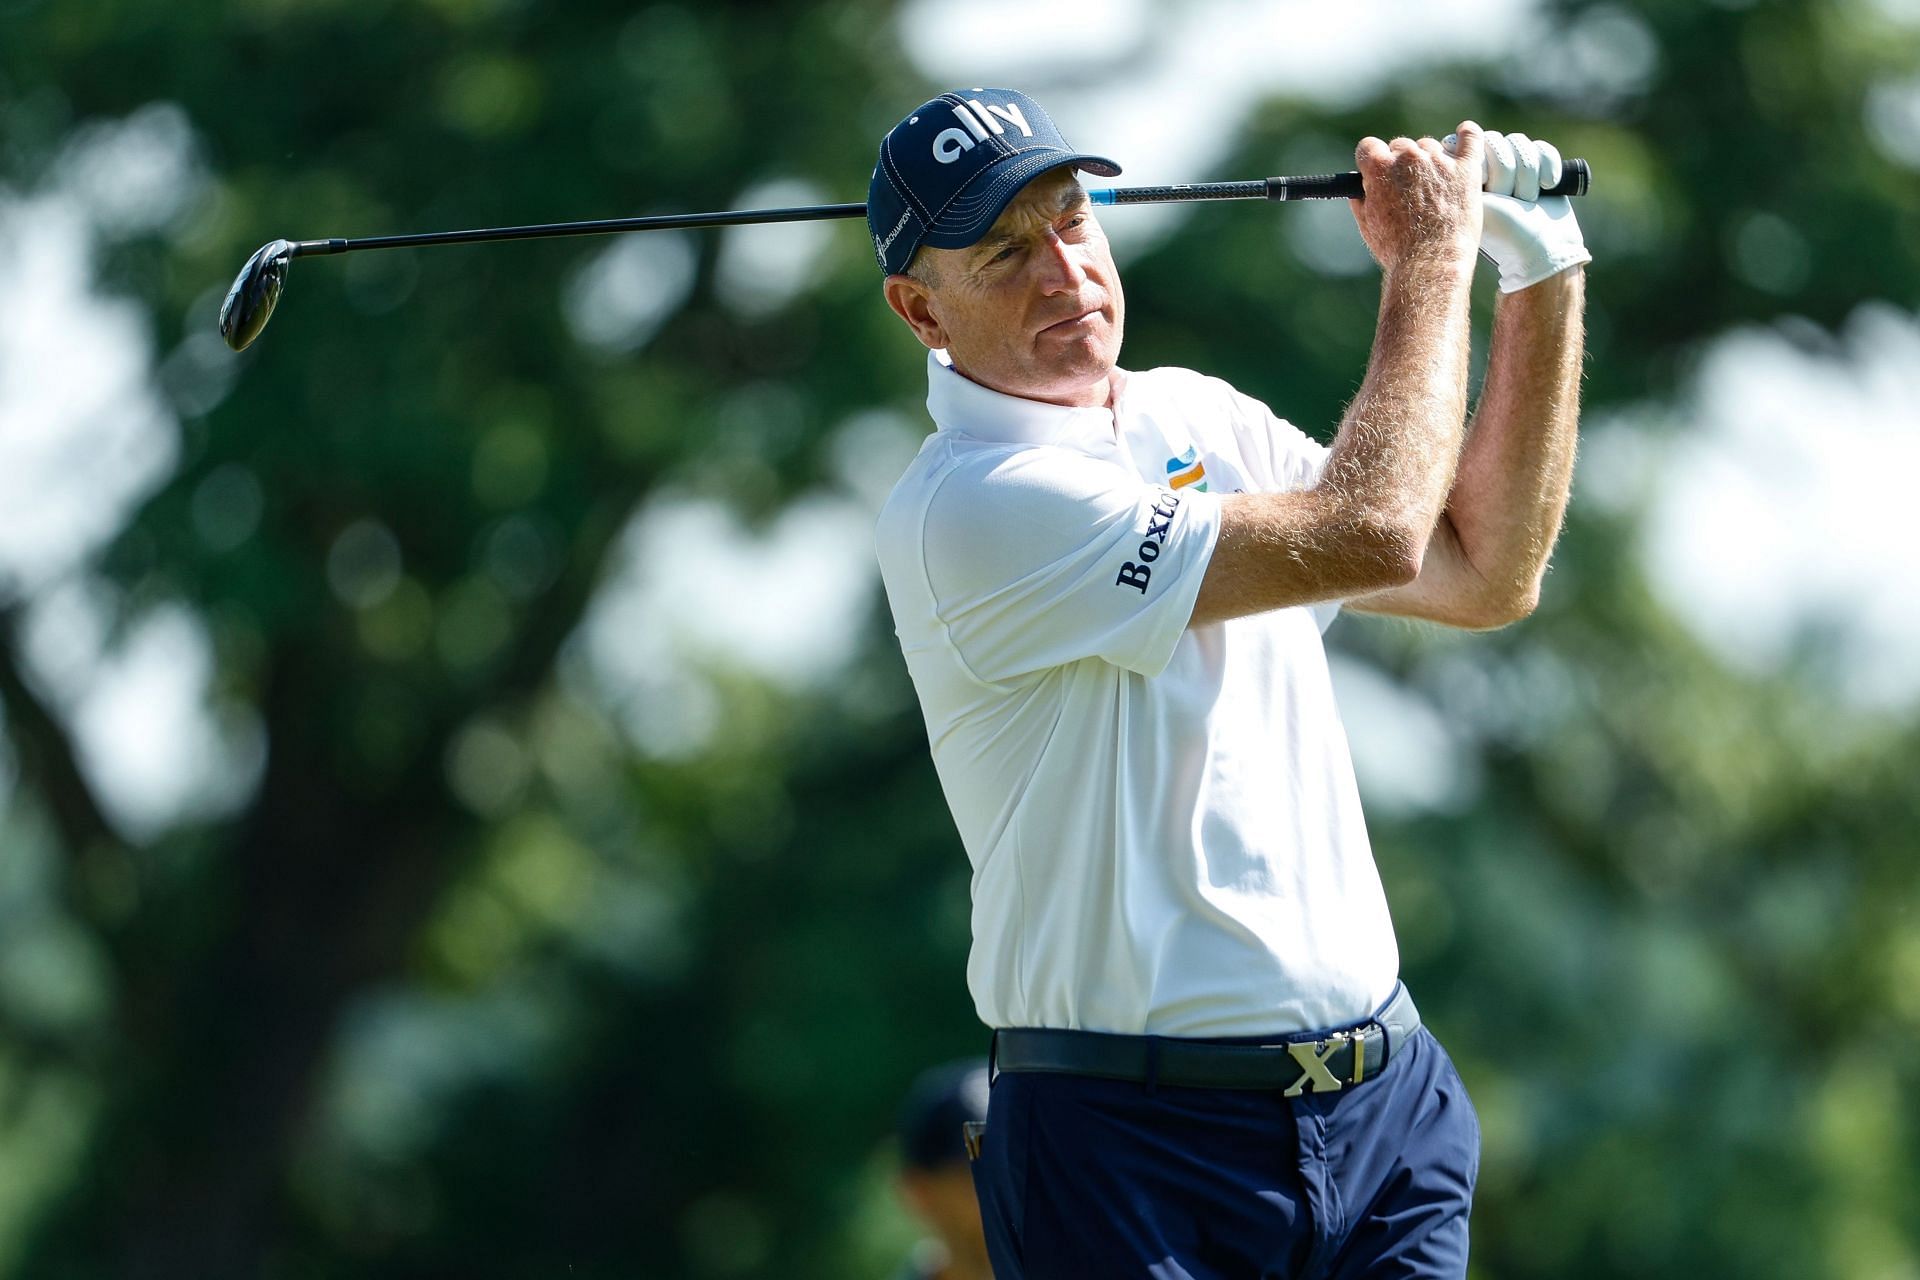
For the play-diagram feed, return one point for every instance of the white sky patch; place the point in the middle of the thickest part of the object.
(133, 175)
(404, 1058)
(1178, 81)
(622, 296)
(692, 587)
(84, 434)
(785, 604)
(142, 726)
(942, 37)
(1784, 515)
(1405, 756)
(1892, 117)
(64, 639)
(1604, 54)
(763, 268)
(870, 451)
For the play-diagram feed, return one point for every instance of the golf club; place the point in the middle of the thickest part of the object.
(249, 303)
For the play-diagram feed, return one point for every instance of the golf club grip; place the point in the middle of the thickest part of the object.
(1574, 180)
(1575, 176)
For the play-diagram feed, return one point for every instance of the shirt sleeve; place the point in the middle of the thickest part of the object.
(1042, 556)
(1289, 458)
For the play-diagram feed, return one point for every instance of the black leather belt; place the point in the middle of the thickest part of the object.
(1329, 1063)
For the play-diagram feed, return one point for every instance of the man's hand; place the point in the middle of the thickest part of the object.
(1528, 237)
(1364, 526)
(1423, 199)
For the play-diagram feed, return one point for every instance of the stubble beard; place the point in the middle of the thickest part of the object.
(1081, 362)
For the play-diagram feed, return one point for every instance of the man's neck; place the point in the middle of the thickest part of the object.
(1104, 393)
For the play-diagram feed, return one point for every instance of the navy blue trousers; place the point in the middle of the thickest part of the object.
(1088, 1179)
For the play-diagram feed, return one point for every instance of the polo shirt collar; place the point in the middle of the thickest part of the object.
(958, 403)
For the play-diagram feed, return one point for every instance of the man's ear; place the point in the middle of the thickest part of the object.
(912, 301)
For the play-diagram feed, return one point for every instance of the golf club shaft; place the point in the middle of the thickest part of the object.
(600, 227)
(1331, 186)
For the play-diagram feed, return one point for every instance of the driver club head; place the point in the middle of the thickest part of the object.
(256, 289)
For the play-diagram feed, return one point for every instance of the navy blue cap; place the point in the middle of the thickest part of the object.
(938, 1104)
(948, 169)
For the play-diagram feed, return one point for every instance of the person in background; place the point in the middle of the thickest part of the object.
(935, 1180)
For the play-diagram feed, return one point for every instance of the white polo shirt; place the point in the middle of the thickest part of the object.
(1163, 823)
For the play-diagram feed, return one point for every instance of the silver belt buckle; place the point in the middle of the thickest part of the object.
(1313, 1055)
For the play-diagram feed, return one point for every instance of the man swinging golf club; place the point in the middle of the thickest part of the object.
(1110, 589)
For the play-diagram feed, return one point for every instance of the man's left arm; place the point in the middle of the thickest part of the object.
(1489, 550)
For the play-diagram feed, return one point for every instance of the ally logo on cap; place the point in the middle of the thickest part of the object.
(950, 144)
(946, 171)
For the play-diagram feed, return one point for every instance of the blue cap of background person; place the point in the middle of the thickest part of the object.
(950, 167)
(937, 1106)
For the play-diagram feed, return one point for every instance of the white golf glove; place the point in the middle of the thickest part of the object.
(1529, 237)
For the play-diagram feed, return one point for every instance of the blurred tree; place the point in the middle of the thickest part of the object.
(503, 965)
(442, 487)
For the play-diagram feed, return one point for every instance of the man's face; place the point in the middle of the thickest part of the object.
(1033, 309)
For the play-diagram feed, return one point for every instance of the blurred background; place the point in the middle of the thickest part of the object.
(462, 812)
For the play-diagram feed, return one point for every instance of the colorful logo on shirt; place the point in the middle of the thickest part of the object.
(1187, 469)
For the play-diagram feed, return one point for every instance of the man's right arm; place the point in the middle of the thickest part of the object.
(1364, 526)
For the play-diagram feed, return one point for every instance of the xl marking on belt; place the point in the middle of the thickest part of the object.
(1315, 1074)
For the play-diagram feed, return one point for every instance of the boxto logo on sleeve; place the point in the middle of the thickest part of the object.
(1136, 573)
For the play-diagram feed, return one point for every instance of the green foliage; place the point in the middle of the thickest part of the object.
(493, 974)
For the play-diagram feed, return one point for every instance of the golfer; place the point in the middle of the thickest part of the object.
(1110, 588)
